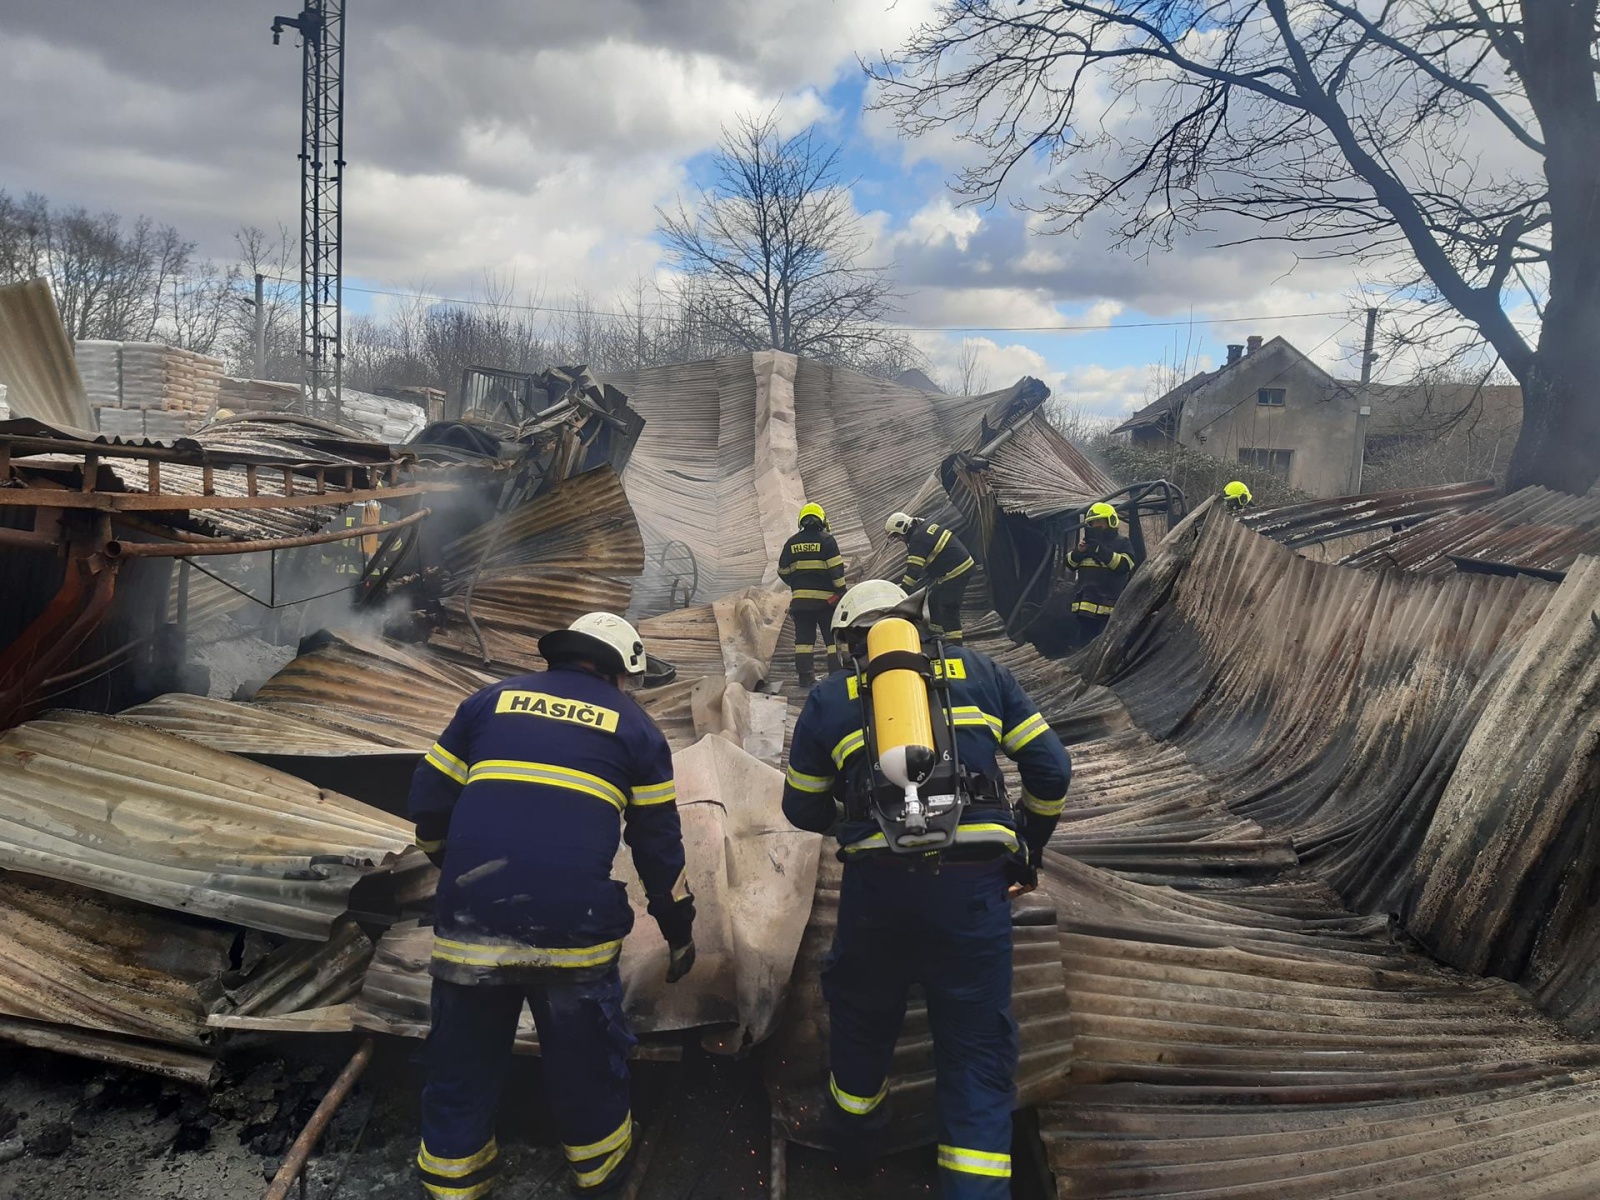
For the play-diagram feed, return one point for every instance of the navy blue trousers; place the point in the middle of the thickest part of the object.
(584, 1043)
(950, 931)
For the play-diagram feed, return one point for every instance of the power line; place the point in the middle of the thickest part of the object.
(627, 316)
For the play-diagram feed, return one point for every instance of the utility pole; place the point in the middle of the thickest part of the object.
(261, 326)
(321, 29)
(1364, 407)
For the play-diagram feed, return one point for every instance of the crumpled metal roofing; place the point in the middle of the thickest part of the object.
(1317, 521)
(37, 364)
(1238, 1037)
(1534, 527)
(254, 729)
(141, 814)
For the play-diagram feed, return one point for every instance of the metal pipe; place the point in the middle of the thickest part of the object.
(29, 539)
(163, 531)
(294, 1162)
(118, 549)
(77, 673)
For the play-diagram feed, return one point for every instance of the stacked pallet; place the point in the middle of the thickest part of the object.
(146, 389)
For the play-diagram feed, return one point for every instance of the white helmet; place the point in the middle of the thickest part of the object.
(604, 638)
(865, 603)
(898, 525)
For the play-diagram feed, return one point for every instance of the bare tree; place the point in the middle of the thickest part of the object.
(777, 251)
(1459, 137)
(969, 377)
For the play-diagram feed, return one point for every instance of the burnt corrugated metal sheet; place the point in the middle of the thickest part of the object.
(1531, 528)
(1317, 521)
(36, 358)
(375, 688)
(252, 729)
(141, 814)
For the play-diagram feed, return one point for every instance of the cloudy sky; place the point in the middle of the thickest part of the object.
(534, 141)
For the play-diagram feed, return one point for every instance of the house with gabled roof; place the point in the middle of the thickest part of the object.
(1268, 407)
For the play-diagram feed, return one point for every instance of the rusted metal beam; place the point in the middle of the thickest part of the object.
(294, 1162)
(25, 539)
(140, 502)
(118, 549)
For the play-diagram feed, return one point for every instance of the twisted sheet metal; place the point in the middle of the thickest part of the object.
(583, 524)
(141, 814)
(1324, 701)
(1039, 472)
(1534, 527)
(37, 364)
(1266, 1043)
(253, 729)
(514, 606)
(377, 689)
(1317, 521)
(1504, 881)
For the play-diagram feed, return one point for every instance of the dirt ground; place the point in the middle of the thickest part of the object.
(72, 1129)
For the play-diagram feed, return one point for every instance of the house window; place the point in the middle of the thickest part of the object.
(1271, 397)
(1276, 461)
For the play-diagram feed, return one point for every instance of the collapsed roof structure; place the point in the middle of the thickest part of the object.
(1316, 919)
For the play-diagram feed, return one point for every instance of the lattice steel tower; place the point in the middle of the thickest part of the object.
(321, 29)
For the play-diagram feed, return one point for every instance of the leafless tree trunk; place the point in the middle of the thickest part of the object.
(1346, 128)
(777, 252)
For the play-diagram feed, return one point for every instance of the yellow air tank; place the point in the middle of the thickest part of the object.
(900, 714)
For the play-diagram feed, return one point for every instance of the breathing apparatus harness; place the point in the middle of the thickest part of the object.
(917, 791)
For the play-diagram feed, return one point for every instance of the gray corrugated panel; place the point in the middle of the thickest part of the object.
(389, 692)
(584, 523)
(1503, 881)
(1297, 525)
(1039, 472)
(36, 360)
(239, 728)
(1320, 700)
(1535, 527)
(1223, 1050)
(141, 814)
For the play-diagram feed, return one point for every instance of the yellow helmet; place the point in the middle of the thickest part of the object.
(1237, 493)
(1101, 511)
(812, 510)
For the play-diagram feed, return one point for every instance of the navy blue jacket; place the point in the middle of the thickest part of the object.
(521, 802)
(828, 761)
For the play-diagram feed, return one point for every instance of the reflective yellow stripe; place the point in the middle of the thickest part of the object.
(618, 1137)
(810, 594)
(848, 745)
(549, 775)
(1043, 808)
(430, 847)
(916, 560)
(858, 1106)
(1120, 559)
(456, 1168)
(1089, 606)
(810, 564)
(875, 842)
(961, 570)
(986, 835)
(655, 793)
(975, 1162)
(809, 783)
(1024, 733)
(475, 1192)
(938, 547)
(971, 715)
(680, 889)
(443, 761)
(594, 1178)
(836, 561)
(485, 954)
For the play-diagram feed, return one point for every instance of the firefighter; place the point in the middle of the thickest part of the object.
(1236, 496)
(935, 558)
(938, 919)
(521, 803)
(1103, 560)
(810, 564)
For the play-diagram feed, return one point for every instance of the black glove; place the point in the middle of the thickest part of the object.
(675, 919)
(1022, 872)
(680, 961)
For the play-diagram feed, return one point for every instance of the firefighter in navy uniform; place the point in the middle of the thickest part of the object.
(940, 918)
(935, 558)
(1103, 560)
(810, 564)
(521, 803)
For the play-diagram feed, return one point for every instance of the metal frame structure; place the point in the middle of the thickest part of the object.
(321, 29)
